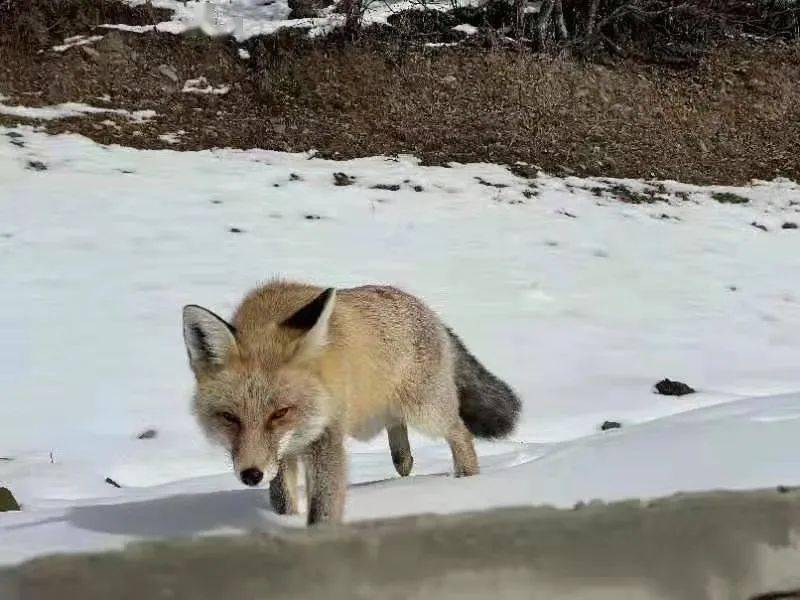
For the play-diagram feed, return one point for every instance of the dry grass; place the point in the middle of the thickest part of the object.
(35, 23)
(734, 117)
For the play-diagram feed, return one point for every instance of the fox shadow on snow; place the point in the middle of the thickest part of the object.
(186, 515)
(177, 516)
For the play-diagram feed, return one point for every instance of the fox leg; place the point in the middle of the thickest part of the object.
(401, 450)
(326, 477)
(465, 461)
(283, 488)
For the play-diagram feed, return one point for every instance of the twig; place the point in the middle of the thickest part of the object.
(519, 14)
(592, 16)
(558, 17)
(542, 22)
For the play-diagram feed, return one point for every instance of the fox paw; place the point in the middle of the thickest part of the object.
(465, 471)
(403, 464)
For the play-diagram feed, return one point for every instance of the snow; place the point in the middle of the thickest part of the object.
(244, 19)
(201, 86)
(70, 109)
(173, 137)
(466, 28)
(580, 301)
(240, 18)
(77, 40)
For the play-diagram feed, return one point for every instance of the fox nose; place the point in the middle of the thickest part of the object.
(251, 476)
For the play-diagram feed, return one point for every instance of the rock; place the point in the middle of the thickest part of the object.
(36, 165)
(90, 52)
(789, 225)
(610, 425)
(114, 48)
(759, 226)
(312, 217)
(729, 198)
(7, 500)
(168, 72)
(110, 481)
(482, 181)
(147, 434)
(236, 230)
(341, 179)
(667, 387)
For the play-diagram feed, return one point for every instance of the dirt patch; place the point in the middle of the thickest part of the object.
(729, 198)
(732, 118)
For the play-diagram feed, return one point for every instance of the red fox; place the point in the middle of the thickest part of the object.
(300, 367)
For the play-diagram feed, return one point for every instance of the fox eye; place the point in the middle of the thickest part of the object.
(280, 413)
(229, 417)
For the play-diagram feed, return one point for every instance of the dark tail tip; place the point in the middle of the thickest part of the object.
(490, 411)
(487, 405)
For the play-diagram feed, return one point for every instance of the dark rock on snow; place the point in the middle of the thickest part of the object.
(667, 387)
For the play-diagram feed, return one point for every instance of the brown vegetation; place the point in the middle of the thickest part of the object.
(732, 116)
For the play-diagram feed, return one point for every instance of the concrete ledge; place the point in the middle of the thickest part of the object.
(715, 545)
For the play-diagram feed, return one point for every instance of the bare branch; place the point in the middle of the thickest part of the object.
(592, 16)
(544, 19)
(558, 17)
(519, 18)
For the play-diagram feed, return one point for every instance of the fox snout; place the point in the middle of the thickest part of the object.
(251, 476)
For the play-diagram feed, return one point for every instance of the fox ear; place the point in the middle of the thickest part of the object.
(313, 321)
(209, 339)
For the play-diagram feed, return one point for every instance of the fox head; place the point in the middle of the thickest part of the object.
(258, 391)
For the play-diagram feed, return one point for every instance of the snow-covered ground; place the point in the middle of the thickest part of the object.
(244, 19)
(581, 302)
(70, 109)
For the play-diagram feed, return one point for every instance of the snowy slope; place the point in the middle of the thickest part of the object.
(581, 302)
(244, 19)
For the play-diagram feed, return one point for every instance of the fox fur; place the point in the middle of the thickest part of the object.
(300, 367)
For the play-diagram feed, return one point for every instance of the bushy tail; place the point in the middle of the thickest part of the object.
(488, 406)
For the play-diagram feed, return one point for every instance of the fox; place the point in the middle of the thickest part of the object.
(299, 368)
